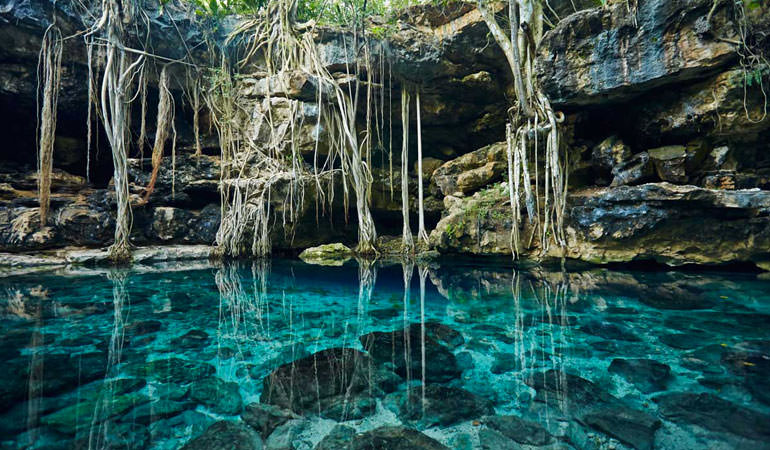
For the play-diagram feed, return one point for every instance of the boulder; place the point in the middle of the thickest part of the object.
(471, 171)
(647, 375)
(396, 438)
(217, 395)
(519, 430)
(670, 163)
(715, 414)
(226, 435)
(627, 425)
(327, 255)
(403, 350)
(265, 418)
(324, 380)
(436, 405)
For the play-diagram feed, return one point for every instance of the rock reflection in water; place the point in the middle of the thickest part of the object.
(383, 355)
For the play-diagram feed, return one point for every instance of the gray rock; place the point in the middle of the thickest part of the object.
(636, 170)
(395, 438)
(340, 437)
(226, 435)
(601, 55)
(519, 430)
(217, 395)
(391, 347)
(322, 376)
(265, 418)
(647, 375)
(629, 426)
(713, 413)
(327, 255)
(438, 406)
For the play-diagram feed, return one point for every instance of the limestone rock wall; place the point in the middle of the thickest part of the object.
(669, 146)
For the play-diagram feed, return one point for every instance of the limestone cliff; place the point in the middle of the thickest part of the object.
(669, 149)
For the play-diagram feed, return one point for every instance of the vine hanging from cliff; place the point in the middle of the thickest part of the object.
(256, 165)
(530, 117)
(49, 75)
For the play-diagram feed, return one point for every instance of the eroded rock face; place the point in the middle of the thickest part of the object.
(656, 221)
(609, 54)
(670, 224)
(471, 171)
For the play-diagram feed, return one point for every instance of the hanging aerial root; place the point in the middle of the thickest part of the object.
(49, 74)
(165, 118)
(408, 240)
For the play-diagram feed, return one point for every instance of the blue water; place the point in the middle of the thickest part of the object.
(155, 356)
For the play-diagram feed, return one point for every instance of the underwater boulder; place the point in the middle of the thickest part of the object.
(519, 430)
(219, 396)
(313, 383)
(436, 405)
(403, 349)
(265, 418)
(714, 413)
(395, 438)
(226, 435)
(647, 375)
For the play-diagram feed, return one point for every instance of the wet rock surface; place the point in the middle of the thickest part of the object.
(436, 405)
(629, 426)
(395, 438)
(226, 434)
(404, 350)
(265, 418)
(647, 375)
(301, 385)
(519, 430)
(713, 413)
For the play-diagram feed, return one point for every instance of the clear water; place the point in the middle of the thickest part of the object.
(151, 357)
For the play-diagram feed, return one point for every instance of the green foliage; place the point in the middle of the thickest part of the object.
(756, 75)
(221, 8)
(327, 12)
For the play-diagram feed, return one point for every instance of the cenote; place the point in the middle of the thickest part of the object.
(385, 224)
(472, 354)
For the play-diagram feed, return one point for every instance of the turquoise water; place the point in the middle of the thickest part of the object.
(472, 355)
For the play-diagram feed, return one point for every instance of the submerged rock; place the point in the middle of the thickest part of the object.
(324, 380)
(265, 418)
(226, 435)
(404, 350)
(519, 430)
(716, 414)
(395, 438)
(340, 437)
(171, 370)
(327, 255)
(154, 411)
(217, 395)
(609, 331)
(289, 436)
(193, 339)
(438, 406)
(629, 426)
(95, 410)
(647, 375)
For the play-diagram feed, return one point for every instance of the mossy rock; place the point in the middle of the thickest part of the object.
(327, 255)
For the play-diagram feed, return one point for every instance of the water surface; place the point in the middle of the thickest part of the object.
(471, 355)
